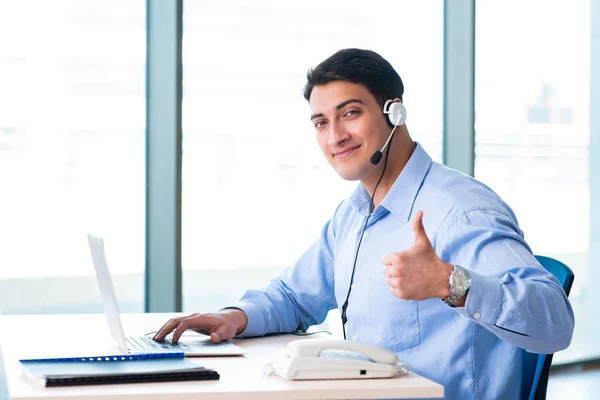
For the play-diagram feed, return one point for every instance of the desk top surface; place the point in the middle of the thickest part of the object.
(36, 336)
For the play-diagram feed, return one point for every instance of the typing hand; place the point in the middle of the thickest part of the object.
(221, 326)
(417, 273)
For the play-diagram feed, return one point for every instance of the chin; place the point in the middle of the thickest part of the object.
(348, 174)
(349, 170)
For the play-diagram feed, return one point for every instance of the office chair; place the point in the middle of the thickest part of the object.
(565, 276)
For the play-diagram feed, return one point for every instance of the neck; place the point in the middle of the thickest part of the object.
(401, 149)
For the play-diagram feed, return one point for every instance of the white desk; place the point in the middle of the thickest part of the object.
(241, 376)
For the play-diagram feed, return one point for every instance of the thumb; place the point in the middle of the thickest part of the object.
(220, 334)
(418, 229)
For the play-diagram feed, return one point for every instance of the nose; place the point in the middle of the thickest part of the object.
(337, 134)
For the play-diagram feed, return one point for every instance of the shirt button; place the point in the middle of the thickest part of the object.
(354, 286)
(476, 315)
(354, 338)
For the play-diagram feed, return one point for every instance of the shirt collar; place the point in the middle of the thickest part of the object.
(401, 196)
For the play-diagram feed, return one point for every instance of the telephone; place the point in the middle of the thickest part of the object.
(335, 359)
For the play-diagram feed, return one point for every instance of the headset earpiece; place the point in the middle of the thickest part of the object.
(396, 112)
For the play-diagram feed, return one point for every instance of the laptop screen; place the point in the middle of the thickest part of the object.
(107, 291)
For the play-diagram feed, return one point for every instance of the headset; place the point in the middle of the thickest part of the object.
(396, 116)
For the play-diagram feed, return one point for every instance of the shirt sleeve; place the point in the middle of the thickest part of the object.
(298, 297)
(511, 294)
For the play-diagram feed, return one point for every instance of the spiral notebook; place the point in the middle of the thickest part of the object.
(114, 369)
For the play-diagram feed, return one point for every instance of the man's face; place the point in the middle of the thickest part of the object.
(350, 127)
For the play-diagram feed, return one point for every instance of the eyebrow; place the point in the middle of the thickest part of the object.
(338, 107)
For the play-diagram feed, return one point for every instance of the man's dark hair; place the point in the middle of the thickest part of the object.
(357, 66)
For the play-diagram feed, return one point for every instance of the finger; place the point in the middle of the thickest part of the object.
(389, 258)
(182, 327)
(392, 282)
(418, 228)
(400, 293)
(166, 329)
(389, 271)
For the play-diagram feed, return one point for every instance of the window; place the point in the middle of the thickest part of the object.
(256, 188)
(532, 129)
(72, 119)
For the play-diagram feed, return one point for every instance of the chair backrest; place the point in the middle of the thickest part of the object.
(565, 276)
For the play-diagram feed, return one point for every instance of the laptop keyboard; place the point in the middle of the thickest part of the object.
(144, 343)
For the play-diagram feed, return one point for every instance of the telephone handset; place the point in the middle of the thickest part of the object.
(335, 359)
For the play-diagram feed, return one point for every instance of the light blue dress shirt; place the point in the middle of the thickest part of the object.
(480, 351)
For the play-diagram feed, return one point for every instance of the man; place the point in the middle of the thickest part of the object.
(439, 272)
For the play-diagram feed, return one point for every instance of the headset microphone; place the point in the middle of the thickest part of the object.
(376, 157)
(397, 116)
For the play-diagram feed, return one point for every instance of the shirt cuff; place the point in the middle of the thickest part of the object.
(255, 315)
(484, 299)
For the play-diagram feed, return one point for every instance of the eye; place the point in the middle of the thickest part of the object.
(351, 113)
(319, 124)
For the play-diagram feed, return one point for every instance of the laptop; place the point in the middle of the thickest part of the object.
(196, 346)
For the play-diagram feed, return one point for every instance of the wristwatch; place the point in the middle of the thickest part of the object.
(460, 282)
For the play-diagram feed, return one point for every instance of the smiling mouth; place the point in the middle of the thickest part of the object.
(346, 152)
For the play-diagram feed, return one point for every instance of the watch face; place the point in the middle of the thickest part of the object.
(460, 281)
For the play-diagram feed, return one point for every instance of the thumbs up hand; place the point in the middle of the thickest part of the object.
(417, 273)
